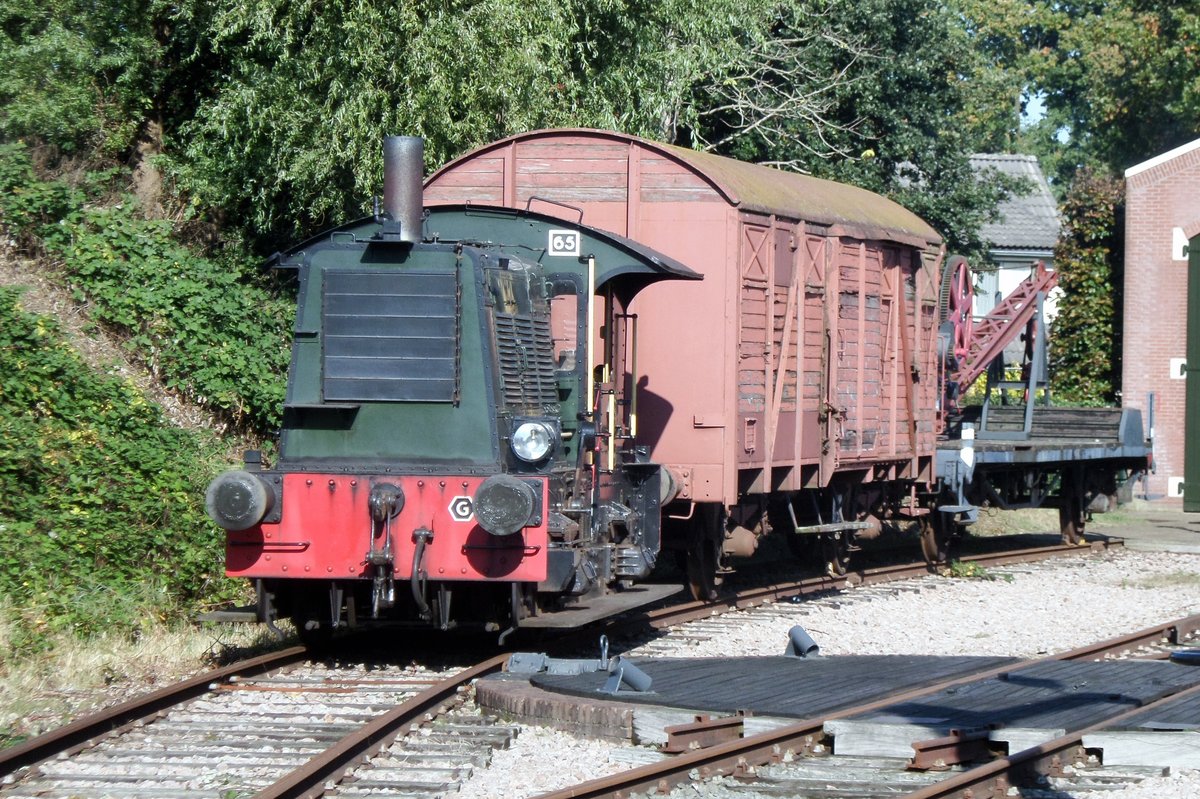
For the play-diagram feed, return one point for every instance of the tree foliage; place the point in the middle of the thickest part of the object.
(886, 82)
(80, 76)
(1119, 80)
(1086, 344)
(273, 112)
(1126, 79)
(286, 135)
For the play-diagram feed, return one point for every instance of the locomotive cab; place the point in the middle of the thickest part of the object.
(457, 438)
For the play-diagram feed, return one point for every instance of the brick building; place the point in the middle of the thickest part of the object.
(1162, 212)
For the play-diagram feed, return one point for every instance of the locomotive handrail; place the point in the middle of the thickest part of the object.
(575, 208)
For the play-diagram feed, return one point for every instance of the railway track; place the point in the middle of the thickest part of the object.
(278, 726)
(788, 767)
(82, 733)
(203, 737)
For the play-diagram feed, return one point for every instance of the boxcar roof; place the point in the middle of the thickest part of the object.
(763, 189)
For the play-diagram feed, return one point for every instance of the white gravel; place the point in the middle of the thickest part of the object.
(542, 760)
(1183, 784)
(1025, 611)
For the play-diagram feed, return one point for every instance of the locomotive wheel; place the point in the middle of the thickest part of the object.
(1071, 523)
(704, 552)
(317, 637)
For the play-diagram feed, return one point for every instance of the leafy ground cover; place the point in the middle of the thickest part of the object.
(102, 530)
(213, 328)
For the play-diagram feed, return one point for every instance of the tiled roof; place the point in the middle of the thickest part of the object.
(1025, 222)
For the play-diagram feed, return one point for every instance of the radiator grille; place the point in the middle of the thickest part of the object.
(526, 360)
(390, 336)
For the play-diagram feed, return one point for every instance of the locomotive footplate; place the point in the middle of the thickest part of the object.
(603, 607)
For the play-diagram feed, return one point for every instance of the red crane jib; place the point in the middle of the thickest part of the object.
(991, 334)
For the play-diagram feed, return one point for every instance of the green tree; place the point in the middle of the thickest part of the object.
(1009, 38)
(1086, 344)
(1120, 80)
(79, 76)
(286, 134)
(1126, 78)
(892, 121)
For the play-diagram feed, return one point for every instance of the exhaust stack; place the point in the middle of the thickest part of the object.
(403, 173)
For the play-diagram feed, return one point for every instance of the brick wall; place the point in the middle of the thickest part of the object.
(1159, 199)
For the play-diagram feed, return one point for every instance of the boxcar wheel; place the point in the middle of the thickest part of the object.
(935, 541)
(1071, 523)
(1071, 516)
(835, 551)
(704, 552)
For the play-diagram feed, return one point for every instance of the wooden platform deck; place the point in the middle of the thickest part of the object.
(776, 686)
(1019, 709)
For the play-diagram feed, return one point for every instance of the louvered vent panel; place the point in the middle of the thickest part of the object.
(526, 360)
(390, 337)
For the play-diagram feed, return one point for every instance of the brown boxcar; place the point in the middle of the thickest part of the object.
(803, 368)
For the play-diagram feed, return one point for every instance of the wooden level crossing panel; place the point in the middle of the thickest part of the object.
(1022, 709)
(774, 686)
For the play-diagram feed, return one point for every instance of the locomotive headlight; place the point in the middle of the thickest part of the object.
(504, 504)
(237, 500)
(532, 441)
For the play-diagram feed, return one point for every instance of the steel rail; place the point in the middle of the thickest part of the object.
(738, 756)
(309, 780)
(991, 780)
(82, 732)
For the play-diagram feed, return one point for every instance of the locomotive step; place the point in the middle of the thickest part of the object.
(599, 608)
